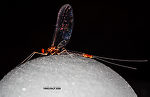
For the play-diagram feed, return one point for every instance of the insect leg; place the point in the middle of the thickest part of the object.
(66, 51)
(63, 50)
(31, 55)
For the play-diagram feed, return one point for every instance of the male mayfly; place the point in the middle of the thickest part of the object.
(62, 35)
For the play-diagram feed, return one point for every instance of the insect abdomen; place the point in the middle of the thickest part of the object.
(87, 56)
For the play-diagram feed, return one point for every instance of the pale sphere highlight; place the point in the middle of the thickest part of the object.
(64, 76)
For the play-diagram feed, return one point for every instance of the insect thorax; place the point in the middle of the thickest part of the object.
(53, 50)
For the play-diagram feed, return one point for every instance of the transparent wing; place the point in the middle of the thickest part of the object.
(64, 26)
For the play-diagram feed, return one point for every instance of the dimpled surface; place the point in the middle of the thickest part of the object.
(75, 76)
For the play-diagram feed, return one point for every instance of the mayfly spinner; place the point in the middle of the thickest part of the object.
(62, 35)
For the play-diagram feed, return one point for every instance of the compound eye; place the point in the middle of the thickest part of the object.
(42, 50)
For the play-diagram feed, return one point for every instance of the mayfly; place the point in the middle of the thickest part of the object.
(62, 35)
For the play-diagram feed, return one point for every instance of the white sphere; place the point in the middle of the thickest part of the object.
(64, 76)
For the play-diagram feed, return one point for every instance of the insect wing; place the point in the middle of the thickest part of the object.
(64, 26)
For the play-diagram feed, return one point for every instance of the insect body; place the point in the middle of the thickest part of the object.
(62, 35)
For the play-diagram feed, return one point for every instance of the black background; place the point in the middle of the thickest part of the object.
(109, 28)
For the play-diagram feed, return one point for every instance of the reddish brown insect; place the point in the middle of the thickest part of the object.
(62, 35)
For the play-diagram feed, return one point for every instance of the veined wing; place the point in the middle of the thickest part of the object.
(64, 26)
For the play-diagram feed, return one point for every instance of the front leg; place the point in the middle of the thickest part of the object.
(31, 55)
